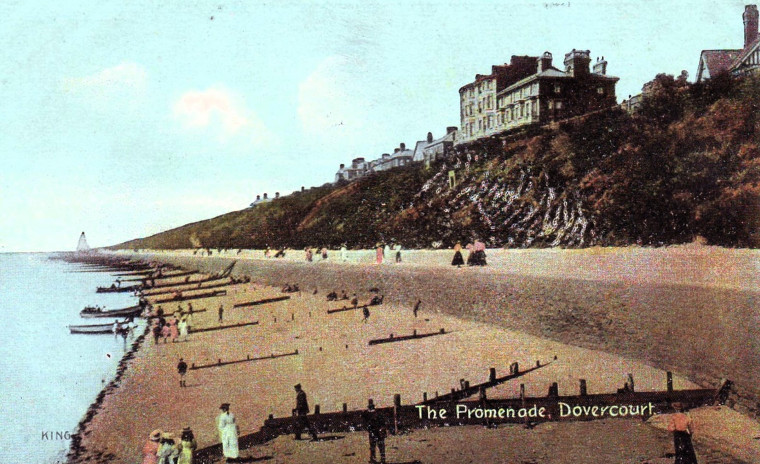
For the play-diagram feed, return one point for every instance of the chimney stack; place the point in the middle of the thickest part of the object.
(600, 67)
(265, 196)
(395, 150)
(403, 146)
(342, 165)
(545, 62)
(451, 129)
(258, 197)
(303, 188)
(750, 17)
(430, 137)
(277, 194)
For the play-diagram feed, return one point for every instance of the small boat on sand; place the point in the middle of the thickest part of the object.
(132, 311)
(93, 329)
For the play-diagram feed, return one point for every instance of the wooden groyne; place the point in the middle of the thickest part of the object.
(260, 302)
(413, 336)
(221, 363)
(522, 410)
(222, 327)
(192, 297)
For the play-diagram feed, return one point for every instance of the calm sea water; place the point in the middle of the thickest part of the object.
(48, 377)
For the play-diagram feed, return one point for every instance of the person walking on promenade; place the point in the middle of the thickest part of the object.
(301, 411)
(343, 253)
(308, 254)
(324, 253)
(387, 252)
(365, 312)
(416, 307)
(221, 313)
(182, 369)
(187, 446)
(150, 450)
(458, 261)
(398, 253)
(377, 429)
(379, 254)
(682, 428)
(228, 432)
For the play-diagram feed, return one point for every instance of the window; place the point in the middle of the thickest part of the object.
(600, 90)
(557, 88)
(558, 105)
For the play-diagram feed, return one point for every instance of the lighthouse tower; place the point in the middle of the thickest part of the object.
(82, 246)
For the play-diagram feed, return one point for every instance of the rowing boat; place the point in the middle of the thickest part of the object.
(131, 311)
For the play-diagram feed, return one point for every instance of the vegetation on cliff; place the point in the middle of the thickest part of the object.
(686, 165)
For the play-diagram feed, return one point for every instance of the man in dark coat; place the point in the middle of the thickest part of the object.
(376, 427)
(182, 370)
(301, 412)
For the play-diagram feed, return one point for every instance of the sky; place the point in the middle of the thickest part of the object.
(124, 119)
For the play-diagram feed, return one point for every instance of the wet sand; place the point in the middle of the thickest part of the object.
(149, 397)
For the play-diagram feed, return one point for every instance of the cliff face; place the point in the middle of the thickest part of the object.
(687, 165)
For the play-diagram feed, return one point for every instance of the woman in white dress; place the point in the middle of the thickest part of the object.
(228, 432)
(183, 331)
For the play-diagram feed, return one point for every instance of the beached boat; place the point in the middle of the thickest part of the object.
(116, 289)
(92, 329)
(132, 311)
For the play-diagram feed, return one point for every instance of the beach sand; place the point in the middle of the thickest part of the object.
(347, 370)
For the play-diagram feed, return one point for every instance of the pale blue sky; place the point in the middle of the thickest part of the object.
(124, 119)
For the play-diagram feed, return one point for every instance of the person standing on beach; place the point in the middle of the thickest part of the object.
(458, 261)
(379, 254)
(168, 450)
(365, 312)
(343, 253)
(377, 429)
(187, 446)
(398, 253)
(228, 432)
(682, 428)
(182, 369)
(183, 331)
(150, 450)
(221, 313)
(417, 307)
(301, 411)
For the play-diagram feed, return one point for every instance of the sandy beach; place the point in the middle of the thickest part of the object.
(600, 329)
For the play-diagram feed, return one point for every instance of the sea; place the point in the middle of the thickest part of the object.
(49, 377)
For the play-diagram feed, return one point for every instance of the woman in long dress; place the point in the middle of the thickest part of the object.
(682, 428)
(150, 450)
(183, 328)
(228, 432)
(379, 254)
(168, 451)
(173, 331)
(187, 446)
(458, 260)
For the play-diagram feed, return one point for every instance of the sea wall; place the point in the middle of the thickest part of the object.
(695, 313)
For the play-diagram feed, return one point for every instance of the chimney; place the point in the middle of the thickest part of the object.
(402, 146)
(303, 188)
(277, 194)
(750, 17)
(395, 150)
(451, 129)
(601, 66)
(430, 137)
(577, 63)
(342, 165)
(265, 196)
(258, 197)
(545, 62)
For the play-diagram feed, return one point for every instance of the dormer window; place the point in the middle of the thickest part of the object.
(600, 90)
(557, 88)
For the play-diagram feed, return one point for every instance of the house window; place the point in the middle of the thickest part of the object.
(557, 88)
(600, 90)
(558, 105)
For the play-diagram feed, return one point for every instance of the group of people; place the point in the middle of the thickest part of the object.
(309, 253)
(163, 448)
(384, 252)
(176, 327)
(476, 254)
